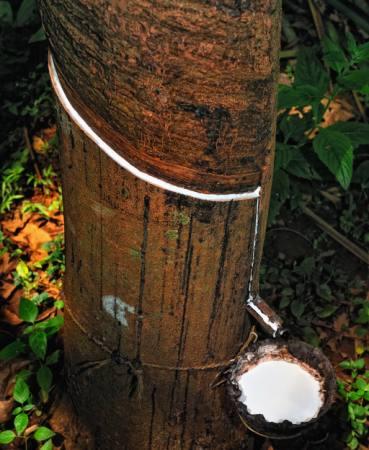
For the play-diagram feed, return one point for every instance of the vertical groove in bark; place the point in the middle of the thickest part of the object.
(156, 282)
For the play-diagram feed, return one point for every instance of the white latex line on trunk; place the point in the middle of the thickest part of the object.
(122, 162)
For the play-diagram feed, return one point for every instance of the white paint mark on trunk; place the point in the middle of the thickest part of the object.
(117, 308)
(281, 390)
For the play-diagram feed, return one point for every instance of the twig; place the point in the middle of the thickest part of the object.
(360, 106)
(32, 153)
(317, 18)
(290, 230)
(337, 236)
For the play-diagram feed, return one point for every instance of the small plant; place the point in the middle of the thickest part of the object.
(11, 176)
(54, 263)
(34, 341)
(356, 394)
(307, 149)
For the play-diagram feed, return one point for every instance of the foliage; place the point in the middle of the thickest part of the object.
(24, 84)
(11, 179)
(307, 150)
(356, 394)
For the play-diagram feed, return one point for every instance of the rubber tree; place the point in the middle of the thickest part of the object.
(166, 114)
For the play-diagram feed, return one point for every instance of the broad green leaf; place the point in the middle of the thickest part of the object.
(38, 343)
(20, 423)
(53, 358)
(357, 132)
(6, 13)
(326, 311)
(59, 304)
(359, 363)
(297, 308)
(298, 96)
(28, 311)
(346, 364)
(43, 434)
(39, 36)
(335, 150)
(22, 269)
(362, 53)
(294, 127)
(48, 445)
(310, 71)
(44, 378)
(300, 167)
(12, 350)
(284, 154)
(51, 326)
(355, 79)
(7, 436)
(26, 13)
(334, 55)
(21, 390)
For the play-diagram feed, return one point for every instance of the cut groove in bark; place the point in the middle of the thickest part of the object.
(281, 388)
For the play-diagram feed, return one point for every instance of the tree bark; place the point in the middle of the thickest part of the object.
(157, 281)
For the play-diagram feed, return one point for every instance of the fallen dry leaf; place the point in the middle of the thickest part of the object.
(340, 110)
(33, 237)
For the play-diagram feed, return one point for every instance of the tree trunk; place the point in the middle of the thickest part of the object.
(166, 117)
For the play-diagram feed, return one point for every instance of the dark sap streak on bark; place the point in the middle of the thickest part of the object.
(153, 405)
(216, 300)
(142, 274)
(185, 410)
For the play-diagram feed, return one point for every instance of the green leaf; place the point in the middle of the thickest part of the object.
(334, 55)
(357, 132)
(284, 154)
(326, 311)
(20, 423)
(59, 304)
(6, 13)
(297, 308)
(40, 298)
(43, 433)
(360, 384)
(28, 311)
(22, 269)
(51, 326)
(310, 71)
(335, 150)
(362, 53)
(38, 343)
(355, 79)
(44, 378)
(346, 364)
(39, 36)
(53, 358)
(48, 445)
(21, 390)
(359, 363)
(7, 436)
(26, 13)
(12, 350)
(298, 96)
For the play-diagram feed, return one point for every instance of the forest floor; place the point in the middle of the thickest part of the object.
(318, 283)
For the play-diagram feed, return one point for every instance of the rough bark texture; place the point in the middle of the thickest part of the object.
(188, 86)
(156, 282)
